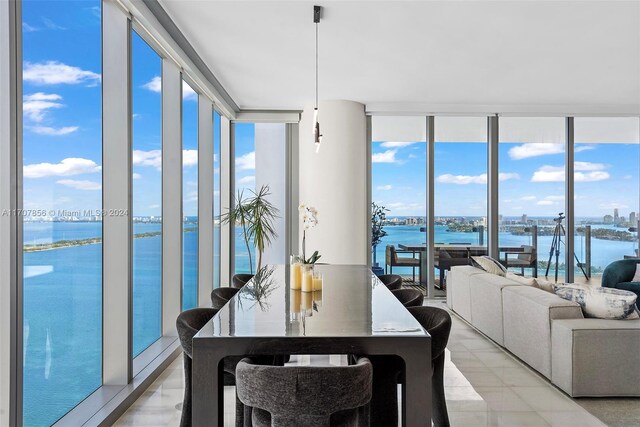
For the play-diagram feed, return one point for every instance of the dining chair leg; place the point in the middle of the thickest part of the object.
(185, 419)
(440, 413)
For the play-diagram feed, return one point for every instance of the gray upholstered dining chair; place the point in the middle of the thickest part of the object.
(310, 396)
(409, 297)
(391, 281)
(438, 323)
(189, 322)
(221, 296)
(239, 280)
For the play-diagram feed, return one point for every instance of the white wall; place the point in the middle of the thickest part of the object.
(271, 157)
(334, 181)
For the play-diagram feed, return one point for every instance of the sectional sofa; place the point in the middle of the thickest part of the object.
(583, 357)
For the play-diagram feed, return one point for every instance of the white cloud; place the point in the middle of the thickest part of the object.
(246, 161)
(400, 206)
(36, 105)
(247, 180)
(147, 158)
(54, 72)
(29, 28)
(397, 144)
(525, 151)
(189, 157)
(45, 130)
(583, 172)
(67, 167)
(473, 179)
(80, 185)
(51, 25)
(555, 198)
(388, 156)
(545, 203)
(154, 85)
(188, 93)
(136, 176)
(384, 187)
(528, 198)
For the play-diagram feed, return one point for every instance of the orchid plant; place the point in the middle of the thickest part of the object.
(309, 220)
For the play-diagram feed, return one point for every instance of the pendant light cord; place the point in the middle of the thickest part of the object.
(316, 65)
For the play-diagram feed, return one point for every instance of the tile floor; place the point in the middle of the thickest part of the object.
(485, 386)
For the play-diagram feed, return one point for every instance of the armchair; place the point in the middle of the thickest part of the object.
(619, 274)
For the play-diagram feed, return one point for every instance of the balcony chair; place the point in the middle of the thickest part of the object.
(409, 297)
(239, 280)
(619, 275)
(221, 296)
(448, 259)
(393, 260)
(391, 281)
(311, 396)
(527, 258)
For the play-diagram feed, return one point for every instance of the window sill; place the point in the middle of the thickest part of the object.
(109, 402)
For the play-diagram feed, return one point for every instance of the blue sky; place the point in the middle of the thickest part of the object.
(531, 178)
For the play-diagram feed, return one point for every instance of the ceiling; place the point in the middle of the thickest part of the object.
(439, 56)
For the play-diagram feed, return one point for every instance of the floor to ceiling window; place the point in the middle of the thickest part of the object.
(217, 199)
(146, 87)
(260, 161)
(606, 182)
(62, 190)
(189, 197)
(245, 183)
(460, 164)
(398, 179)
(531, 182)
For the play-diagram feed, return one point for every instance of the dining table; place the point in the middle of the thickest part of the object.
(353, 314)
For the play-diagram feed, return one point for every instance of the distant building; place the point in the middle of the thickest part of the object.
(633, 221)
(525, 218)
(608, 219)
(616, 216)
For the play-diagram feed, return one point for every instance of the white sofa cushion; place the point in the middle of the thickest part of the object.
(490, 265)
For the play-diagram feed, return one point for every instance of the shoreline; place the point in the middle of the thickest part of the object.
(60, 244)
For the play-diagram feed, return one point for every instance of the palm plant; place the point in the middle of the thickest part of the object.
(255, 215)
(378, 217)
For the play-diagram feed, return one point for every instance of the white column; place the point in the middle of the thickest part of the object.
(334, 181)
(205, 201)
(226, 182)
(171, 196)
(271, 170)
(116, 197)
(493, 187)
(9, 122)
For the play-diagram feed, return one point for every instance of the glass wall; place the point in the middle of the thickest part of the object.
(146, 86)
(189, 197)
(398, 179)
(245, 182)
(460, 180)
(607, 178)
(62, 190)
(217, 199)
(531, 176)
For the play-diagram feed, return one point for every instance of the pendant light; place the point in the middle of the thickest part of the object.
(317, 136)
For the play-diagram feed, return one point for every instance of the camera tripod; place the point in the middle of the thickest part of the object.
(555, 248)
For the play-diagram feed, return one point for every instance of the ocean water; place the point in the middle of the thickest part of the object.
(63, 302)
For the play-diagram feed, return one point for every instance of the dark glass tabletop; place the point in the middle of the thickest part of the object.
(352, 303)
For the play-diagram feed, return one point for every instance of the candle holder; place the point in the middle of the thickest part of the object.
(295, 280)
(307, 278)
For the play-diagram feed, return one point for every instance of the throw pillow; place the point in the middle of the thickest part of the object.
(529, 281)
(490, 265)
(545, 285)
(601, 303)
(636, 277)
